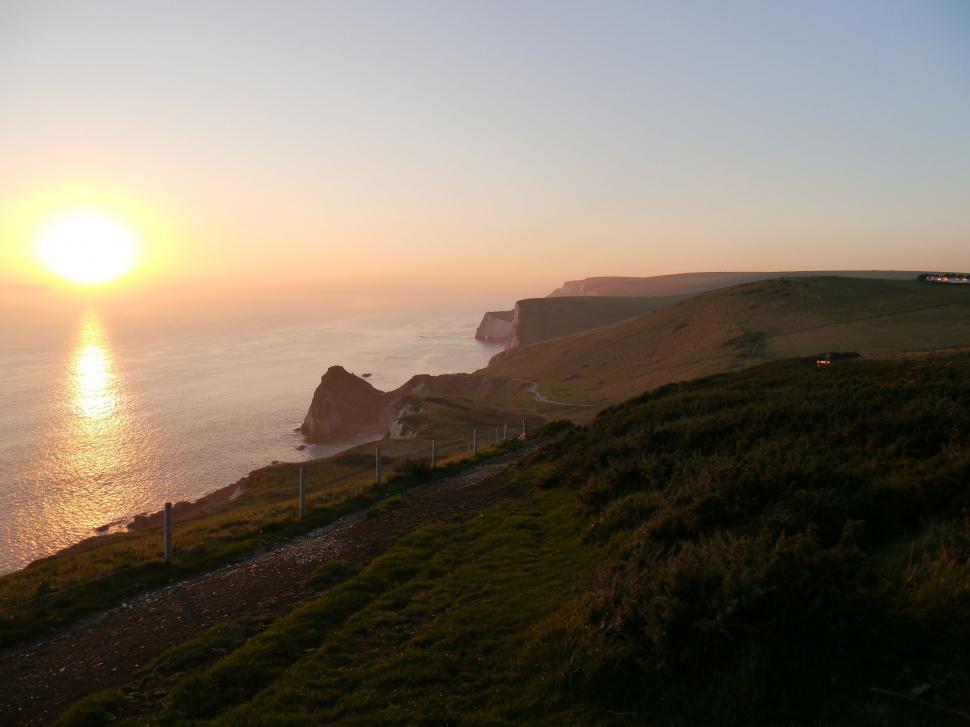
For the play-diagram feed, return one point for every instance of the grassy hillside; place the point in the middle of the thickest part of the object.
(103, 571)
(729, 329)
(782, 545)
(692, 283)
(538, 319)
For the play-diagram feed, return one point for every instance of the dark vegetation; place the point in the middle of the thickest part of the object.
(786, 545)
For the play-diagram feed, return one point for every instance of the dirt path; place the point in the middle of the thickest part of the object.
(41, 680)
(533, 389)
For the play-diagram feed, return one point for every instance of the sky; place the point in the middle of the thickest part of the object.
(486, 149)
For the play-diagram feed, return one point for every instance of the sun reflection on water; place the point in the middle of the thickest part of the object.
(93, 377)
(96, 468)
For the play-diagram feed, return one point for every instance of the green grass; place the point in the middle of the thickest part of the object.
(719, 331)
(435, 630)
(391, 503)
(778, 546)
(102, 572)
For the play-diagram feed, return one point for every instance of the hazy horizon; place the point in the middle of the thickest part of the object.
(447, 152)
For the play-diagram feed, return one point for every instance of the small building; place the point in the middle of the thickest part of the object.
(824, 360)
(946, 278)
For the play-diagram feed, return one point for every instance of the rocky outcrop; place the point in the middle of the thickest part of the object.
(495, 326)
(345, 405)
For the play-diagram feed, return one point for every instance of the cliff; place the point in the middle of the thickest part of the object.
(539, 319)
(495, 326)
(345, 405)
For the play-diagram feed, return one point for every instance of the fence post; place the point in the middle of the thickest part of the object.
(167, 532)
(302, 494)
(525, 428)
(377, 466)
(496, 436)
(434, 454)
(505, 431)
(474, 442)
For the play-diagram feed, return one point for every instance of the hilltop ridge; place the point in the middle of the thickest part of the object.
(689, 283)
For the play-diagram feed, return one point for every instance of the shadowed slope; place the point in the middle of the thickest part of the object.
(539, 319)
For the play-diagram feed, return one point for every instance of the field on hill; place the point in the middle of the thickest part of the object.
(538, 319)
(730, 329)
(782, 545)
(693, 283)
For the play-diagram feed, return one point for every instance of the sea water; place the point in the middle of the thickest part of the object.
(101, 420)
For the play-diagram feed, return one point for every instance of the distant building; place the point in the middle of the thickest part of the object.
(948, 278)
(824, 360)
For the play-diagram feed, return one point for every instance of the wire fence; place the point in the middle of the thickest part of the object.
(435, 451)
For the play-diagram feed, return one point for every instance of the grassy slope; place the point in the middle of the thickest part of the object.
(783, 545)
(101, 572)
(729, 329)
(692, 283)
(544, 318)
(436, 631)
(713, 332)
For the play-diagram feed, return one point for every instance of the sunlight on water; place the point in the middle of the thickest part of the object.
(95, 395)
(96, 452)
(100, 422)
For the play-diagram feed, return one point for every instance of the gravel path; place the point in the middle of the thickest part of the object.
(42, 679)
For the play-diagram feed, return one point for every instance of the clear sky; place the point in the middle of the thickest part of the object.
(463, 147)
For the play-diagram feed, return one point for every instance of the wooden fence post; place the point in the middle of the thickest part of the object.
(434, 454)
(167, 532)
(525, 428)
(474, 442)
(302, 494)
(505, 431)
(377, 466)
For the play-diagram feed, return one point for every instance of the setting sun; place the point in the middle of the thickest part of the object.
(87, 248)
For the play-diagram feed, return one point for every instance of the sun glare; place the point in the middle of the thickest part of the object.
(87, 248)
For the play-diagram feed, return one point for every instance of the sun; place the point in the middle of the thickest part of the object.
(87, 248)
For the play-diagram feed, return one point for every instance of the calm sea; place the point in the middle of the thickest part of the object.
(100, 421)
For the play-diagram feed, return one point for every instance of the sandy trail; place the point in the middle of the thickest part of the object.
(42, 679)
(533, 389)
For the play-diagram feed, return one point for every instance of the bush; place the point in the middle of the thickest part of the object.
(759, 525)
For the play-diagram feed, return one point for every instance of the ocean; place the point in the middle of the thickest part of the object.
(101, 419)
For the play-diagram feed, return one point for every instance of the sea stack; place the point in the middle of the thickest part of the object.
(343, 406)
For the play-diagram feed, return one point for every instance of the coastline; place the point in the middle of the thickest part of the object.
(186, 509)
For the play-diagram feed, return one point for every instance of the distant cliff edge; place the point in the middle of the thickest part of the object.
(581, 305)
(538, 319)
(496, 325)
